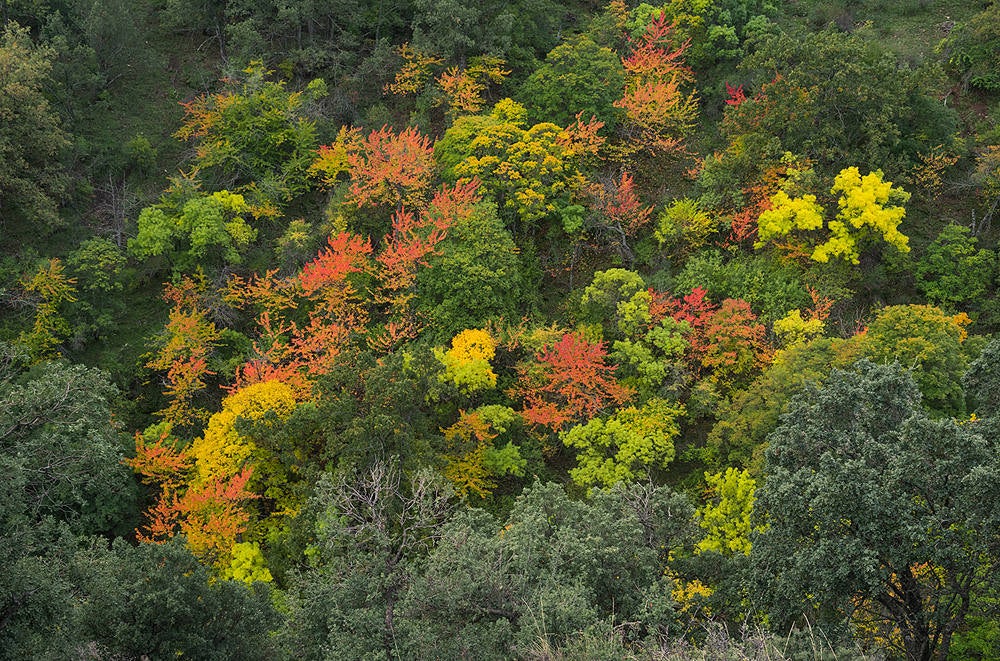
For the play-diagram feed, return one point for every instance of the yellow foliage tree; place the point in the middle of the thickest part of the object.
(726, 518)
(467, 363)
(222, 451)
(50, 284)
(223, 463)
(792, 329)
(867, 205)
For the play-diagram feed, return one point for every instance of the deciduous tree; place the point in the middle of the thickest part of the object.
(569, 382)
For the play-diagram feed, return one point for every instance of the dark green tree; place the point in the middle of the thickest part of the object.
(578, 76)
(876, 514)
(60, 457)
(834, 98)
(156, 601)
(59, 439)
(973, 49)
(374, 527)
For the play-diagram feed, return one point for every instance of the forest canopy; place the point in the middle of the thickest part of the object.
(540, 329)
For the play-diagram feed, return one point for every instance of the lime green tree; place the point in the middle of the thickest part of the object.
(256, 138)
(207, 226)
(627, 445)
(726, 516)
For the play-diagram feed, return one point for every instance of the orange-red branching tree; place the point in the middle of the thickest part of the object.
(405, 249)
(462, 88)
(350, 291)
(569, 382)
(621, 205)
(384, 169)
(304, 321)
(659, 110)
(211, 515)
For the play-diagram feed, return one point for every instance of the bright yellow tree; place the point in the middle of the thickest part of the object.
(867, 207)
(467, 363)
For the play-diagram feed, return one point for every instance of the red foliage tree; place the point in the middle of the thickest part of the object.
(736, 95)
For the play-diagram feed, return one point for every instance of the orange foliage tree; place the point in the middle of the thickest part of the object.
(659, 111)
(349, 291)
(385, 169)
(568, 382)
(191, 336)
(735, 344)
(211, 515)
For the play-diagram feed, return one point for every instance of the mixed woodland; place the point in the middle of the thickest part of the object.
(538, 329)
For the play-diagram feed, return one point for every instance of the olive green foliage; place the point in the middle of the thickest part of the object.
(738, 437)
(578, 77)
(927, 341)
(973, 49)
(519, 31)
(717, 28)
(33, 180)
(768, 284)
(474, 276)
(651, 362)
(369, 408)
(682, 226)
(257, 138)
(834, 98)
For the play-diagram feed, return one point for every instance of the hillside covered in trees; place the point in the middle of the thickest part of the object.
(540, 329)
